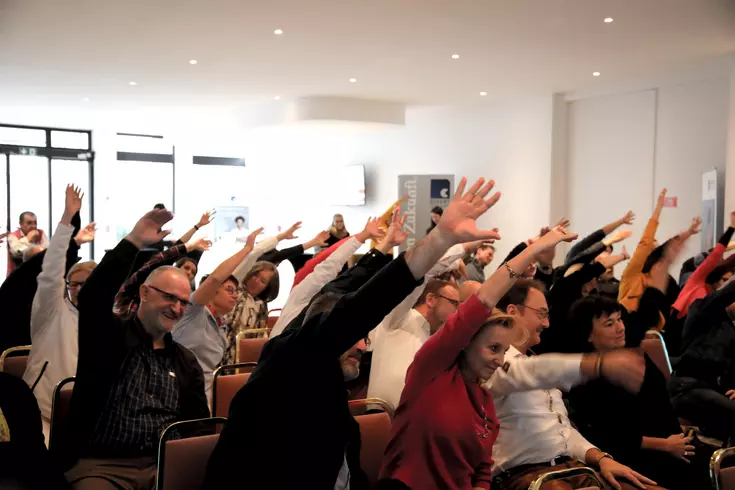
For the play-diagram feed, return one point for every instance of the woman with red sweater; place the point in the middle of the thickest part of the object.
(445, 425)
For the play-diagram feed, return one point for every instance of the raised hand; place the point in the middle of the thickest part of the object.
(86, 234)
(289, 233)
(555, 236)
(619, 236)
(206, 218)
(373, 229)
(72, 203)
(661, 199)
(395, 235)
(147, 230)
(200, 245)
(696, 226)
(626, 255)
(320, 239)
(250, 242)
(458, 223)
(563, 222)
(628, 218)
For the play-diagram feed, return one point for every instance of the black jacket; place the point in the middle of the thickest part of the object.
(290, 426)
(104, 343)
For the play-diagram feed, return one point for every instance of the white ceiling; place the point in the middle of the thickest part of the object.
(61, 51)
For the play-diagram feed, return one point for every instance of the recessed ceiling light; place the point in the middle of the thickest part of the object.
(595, 73)
(193, 62)
(277, 97)
(455, 56)
(483, 94)
(133, 83)
(278, 32)
(353, 80)
(608, 20)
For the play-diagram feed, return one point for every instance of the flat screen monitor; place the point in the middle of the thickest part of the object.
(348, 186)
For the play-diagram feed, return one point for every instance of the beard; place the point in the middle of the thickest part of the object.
(350, 370)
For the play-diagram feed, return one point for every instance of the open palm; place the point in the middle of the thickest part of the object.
(458, 223)
(148, 228)
(395, 235)
(86, 234)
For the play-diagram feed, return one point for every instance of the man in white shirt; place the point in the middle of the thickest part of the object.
(25, 241)
(537, 436)
(54, 315)
(402, 333)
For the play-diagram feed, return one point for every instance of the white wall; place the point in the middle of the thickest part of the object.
(623, 149)
(509, 142)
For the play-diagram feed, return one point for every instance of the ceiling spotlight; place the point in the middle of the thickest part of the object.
(595, 73)
(353, 80)
(483, 94)
(132, 84)
(278, 32)
(608, 20)
(455, 56)
(193, 62)
(277, 97)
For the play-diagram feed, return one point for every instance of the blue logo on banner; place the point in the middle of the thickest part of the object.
(440, 189)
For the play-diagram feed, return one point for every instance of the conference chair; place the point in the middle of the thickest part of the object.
(60, 412)
(655, 347)
(248, 349)
(374, 438)
(362, 406)
(722, 478)
(182, 463)
(14, 360)
(273, 316)
(564, 474)
(225, 386)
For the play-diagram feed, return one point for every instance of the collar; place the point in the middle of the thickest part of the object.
(219, 320)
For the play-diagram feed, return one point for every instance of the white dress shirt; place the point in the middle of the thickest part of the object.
(53, 325)
(17, 246)
(324, 273)
(400, 335)
(534, 424)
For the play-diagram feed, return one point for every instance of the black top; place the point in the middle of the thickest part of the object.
(290, 426)
(105, 342)
(18, 290)
(333, 239)
(25, 458)
(708, 341)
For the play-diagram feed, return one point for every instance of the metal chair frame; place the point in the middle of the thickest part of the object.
(715, 464)
(10, 350)
(57, 395)
(373, 401)
(561, 474)
(656, 334)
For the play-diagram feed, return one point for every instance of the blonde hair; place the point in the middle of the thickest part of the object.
(81, 266)
(497, 318)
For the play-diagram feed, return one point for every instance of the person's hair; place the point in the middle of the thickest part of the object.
(271, 290)
(717, 273)
(518, 293)
(80, 266)
(184, 260)
(581, 315)
(437, 210)
(496, 318)
(23, 215)
(160, 205)
(486, 245)
(239, 218)
(232, 279)
(433, 287)
(321, 304)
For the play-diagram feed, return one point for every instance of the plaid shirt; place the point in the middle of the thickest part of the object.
(141, 404)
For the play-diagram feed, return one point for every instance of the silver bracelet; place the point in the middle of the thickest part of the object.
(513, 274)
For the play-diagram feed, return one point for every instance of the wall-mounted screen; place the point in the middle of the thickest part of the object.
(347, 186)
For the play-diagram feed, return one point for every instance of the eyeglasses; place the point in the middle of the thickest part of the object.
(542, 314)
(453, 302)
(74, 285)
(171, 298)
(231, 291)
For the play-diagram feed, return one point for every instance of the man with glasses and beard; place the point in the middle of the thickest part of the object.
(132, 379)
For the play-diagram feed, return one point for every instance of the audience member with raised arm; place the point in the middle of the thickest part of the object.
(54, 316)
(132, 378)
(482, 255)
(330, 342)
(601, 235)
(338, 230)
(26, 241)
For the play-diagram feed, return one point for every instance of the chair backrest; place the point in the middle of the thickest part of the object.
(374, 438)
(362, 405)
(722, 478)
(225, 386)
(14, 360)
(60, 411)
(564, 474)
(655, 347)
(248, 350)
(182, 463)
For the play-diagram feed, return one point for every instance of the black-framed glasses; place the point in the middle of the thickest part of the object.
(542, 314)
(453, 302)
(171, 298)
(75, 284)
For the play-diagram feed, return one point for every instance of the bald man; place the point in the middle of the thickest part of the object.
(132, 379)
(467, 289)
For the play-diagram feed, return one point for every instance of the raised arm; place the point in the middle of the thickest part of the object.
(699, 276)
(644, 248)
(268, 243)
(442, 349)
(277, 256)
(206, 291)
(206, 218)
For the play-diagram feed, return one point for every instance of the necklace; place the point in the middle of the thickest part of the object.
(485, 426)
